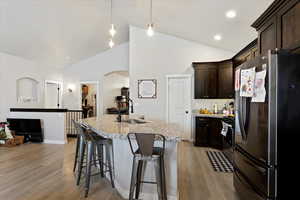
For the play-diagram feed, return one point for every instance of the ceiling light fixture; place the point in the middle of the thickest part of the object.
(111, 43)
(218, 37)
(150, 29)
(112, 30)
(231, 14)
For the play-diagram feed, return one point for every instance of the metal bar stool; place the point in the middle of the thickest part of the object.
(149, 148)
(78, 139)
(91, 146)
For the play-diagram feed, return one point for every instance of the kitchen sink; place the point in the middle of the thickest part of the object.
(134, 121)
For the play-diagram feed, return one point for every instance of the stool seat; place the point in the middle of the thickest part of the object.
(157, 151)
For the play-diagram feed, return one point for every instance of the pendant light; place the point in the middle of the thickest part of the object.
(111, 43)
(112, 30)
(150, 29)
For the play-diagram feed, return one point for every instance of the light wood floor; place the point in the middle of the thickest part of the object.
(198, 180)
(44, 172)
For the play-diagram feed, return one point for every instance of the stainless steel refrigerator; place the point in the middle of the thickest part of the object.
(267, 141)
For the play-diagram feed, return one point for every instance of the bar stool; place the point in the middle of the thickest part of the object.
(91, 146)
(78, 138)
(149, 148)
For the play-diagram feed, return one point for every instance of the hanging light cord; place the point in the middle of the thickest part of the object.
(151, 11)
(111, 10)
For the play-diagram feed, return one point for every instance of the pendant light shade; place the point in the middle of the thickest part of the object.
(111, 43)
(150, 27)
(112, 30)
(150, 30)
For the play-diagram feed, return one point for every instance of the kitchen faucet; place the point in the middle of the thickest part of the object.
(131, 106)
(119, 118)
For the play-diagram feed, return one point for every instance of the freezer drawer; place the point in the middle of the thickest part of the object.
(244, 190)
(256, 175)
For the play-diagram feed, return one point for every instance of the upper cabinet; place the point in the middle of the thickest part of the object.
(279, 27)
(213, 80)
(246, 54)
(225, 79)
(205, 80)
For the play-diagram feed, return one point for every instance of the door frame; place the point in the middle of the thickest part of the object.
(97, 94)
(189, 107)
(60, 83)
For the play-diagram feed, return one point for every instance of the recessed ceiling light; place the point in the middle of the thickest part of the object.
(218, 37)
(231, 14)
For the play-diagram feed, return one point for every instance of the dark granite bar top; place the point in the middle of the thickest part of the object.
(38, 110)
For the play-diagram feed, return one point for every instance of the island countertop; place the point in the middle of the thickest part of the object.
(107, 126)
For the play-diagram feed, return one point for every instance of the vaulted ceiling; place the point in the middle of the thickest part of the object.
(58, 32)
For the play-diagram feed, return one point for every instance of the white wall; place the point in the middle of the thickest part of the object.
(112, 84)
(161, 55)
(93, 69)
(13, 68)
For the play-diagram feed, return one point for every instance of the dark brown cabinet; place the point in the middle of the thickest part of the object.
(208, 132)
(279, 27)
(213, 80)
(289, 26)
(246, 54)
(225, 79)
(202, 132)
(205, 80)
(267, 37)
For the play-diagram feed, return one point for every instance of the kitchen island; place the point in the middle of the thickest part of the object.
(107, 126)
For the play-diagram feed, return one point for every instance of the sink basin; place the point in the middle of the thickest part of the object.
(134, 121)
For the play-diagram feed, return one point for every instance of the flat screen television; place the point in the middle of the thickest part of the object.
(30, 128)
(25, 125)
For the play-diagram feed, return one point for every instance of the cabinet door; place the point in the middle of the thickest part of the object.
(215, 137)
(267, 37)
(205, 81)
(202, 132)
(289, 26)
(225, 80)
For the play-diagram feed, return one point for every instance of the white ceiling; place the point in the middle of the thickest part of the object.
(57, 32)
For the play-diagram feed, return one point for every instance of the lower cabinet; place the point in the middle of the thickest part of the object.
(202, 132)
(208, 132)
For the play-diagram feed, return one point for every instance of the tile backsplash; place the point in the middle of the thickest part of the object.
(209, 103)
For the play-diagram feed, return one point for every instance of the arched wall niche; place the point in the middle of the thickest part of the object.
(27, 90)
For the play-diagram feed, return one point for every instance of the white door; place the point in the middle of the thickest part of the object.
(52, 95)
(179, 102)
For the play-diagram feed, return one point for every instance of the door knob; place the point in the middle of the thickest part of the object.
(187, 112)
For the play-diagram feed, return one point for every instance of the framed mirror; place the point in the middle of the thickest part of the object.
(147, 89)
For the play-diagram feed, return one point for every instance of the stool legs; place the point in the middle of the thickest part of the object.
(94, 154)
(133, 179)
(158, 179)
(100, 159)
(90, 152)
(138, 170)
(163, 176)
(76, 152)
(139, 179)
(108, 152)
(80, 160)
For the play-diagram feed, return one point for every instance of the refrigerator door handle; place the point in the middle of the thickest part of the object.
(246, 109)
(241, 118)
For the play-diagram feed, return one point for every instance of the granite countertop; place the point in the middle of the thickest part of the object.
(107, 126)
(209, 115)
